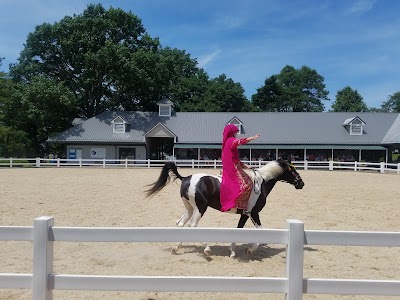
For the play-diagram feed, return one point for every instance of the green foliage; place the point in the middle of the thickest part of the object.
(198, 93)
(89, 53)
(392, 104)
(297, 90)
(12, 141)
(223, 94)
(40, 109)
(109, 62)
(349, 100)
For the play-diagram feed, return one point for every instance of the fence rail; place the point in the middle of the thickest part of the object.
(148, 163)
(43, 281)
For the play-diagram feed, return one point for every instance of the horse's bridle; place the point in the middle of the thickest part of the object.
(296, 175)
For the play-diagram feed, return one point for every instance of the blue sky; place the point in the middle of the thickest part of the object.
(352, 43)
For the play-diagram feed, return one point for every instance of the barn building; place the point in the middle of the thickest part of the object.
(166, 134)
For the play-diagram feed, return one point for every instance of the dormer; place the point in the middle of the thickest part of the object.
(235, 121)
(119, 125)
(164, 107)
(354, 125)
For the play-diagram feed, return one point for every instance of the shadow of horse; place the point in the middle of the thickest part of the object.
(264, 252)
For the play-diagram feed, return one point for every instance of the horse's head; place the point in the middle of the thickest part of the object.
(290, 174)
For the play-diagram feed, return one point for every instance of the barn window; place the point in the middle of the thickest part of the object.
(354, 126)
(165, 110)
(235, 121)
(119, 125)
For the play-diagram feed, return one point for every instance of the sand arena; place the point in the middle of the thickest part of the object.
(330, 200)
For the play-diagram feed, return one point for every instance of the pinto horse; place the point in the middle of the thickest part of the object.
(200, 191)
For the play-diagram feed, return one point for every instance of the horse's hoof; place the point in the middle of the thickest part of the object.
(207, 252)
(233, 254)
(174, 251)
(249, 251)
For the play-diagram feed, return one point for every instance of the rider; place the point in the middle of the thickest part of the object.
(236, 185)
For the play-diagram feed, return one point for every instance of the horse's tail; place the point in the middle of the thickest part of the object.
(164, 178)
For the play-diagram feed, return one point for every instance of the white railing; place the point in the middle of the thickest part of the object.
(43, 281)
(147, 163)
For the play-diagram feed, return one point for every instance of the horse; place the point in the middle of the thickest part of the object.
(200, 191)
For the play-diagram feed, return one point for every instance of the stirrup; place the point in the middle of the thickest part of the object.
(243, 211)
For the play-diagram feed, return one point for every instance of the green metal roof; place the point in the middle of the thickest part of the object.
(250, 146)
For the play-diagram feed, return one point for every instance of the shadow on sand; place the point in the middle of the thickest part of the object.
(263, 251)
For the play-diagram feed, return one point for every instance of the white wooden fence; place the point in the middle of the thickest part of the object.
(138, 163)
(43, 281)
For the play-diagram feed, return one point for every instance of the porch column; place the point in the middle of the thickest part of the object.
(386, 155)
(276, 153)
(359, 155)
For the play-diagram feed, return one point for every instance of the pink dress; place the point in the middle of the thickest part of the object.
(236, 185)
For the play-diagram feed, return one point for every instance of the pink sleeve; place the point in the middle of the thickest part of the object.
(238, 142)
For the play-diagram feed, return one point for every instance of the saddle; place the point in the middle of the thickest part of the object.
(255, 192)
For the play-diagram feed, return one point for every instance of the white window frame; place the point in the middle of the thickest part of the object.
(238, 124)
(163, 107)
(358, 131)
(116, 127)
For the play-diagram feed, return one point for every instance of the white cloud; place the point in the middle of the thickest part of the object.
(206, 59)
(361, 6)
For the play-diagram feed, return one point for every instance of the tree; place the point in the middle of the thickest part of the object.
(151, 75)
(297, 90)
(88, 54)
(12, 141)
(392, 104)
(350, 100)
(223, 94)
(40, 109)
(269, 96)
(189, 94)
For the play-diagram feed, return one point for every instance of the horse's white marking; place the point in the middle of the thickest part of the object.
(194, 181)
(270, 171)
(186, 215)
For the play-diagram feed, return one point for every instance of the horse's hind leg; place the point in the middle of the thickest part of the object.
(186, 215)
(182, 220)
(198, 212)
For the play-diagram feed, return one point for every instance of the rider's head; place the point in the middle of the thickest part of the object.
(229, 131)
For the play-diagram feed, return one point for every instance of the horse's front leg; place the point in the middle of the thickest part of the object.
(242, 222)
(255, 218)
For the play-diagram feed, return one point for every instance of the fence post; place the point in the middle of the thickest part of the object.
(80, 162)
(148, 163)
(42, 259)
(37, 162)
(305, 165)
(355, 166)
(398, 168)
(58, 162)
(295, 260)
(126, 162)
(10, 162)
(192, 163)
(104, 163)
(382, 167)
(331, 165)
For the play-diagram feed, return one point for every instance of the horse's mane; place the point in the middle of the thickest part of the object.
(270, 171)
